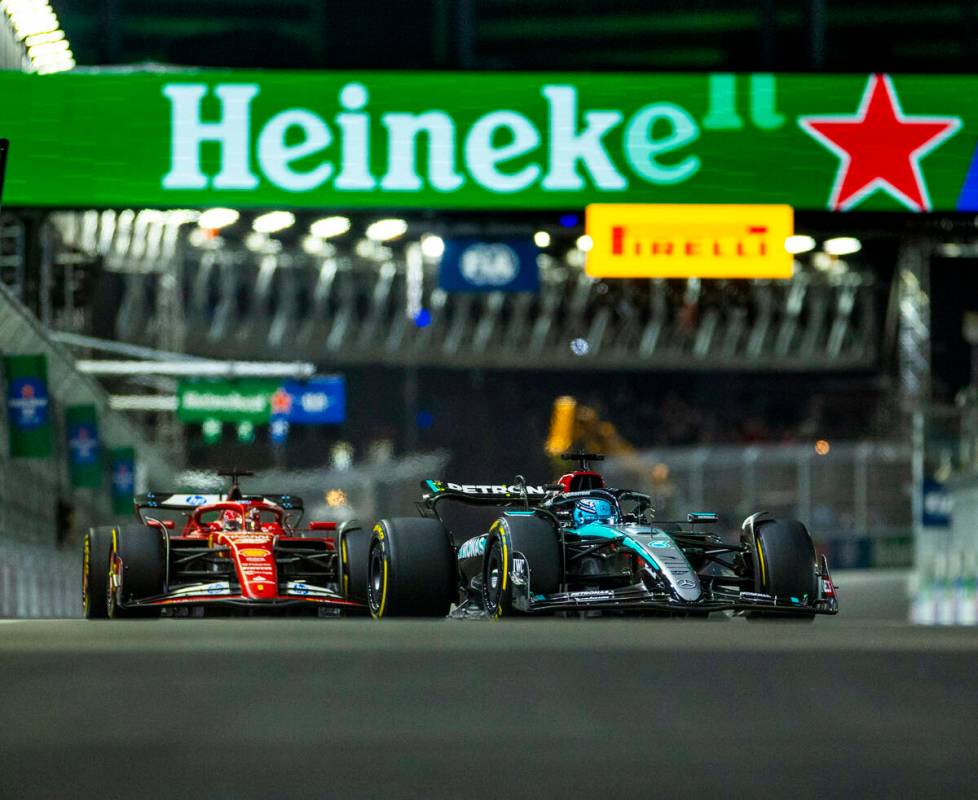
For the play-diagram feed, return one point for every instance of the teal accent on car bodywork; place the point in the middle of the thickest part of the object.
(599, 531)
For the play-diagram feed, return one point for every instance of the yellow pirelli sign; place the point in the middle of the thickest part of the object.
(688, 241)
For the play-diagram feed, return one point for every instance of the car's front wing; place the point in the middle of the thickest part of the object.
(638, 598)
(224, 593)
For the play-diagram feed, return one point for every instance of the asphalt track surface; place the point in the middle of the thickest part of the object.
(270, 709)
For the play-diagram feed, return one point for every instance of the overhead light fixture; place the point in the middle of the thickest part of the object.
(383, 230)
(273, 222)
(199, 368)
(842, 246)
(256, 242)
(328, 227)
(585, 243)
(799, 244)
(36, 27)
(315, 246)
(822, 261)
(215, 218)
(541, 239)
(432, 246)
(143, 402)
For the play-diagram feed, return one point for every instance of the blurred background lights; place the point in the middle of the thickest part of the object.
(256, 241)
(383, 230)
(584, 243)
(273, 221)
(541, 239)
(423, 318)
(842, 246)
(822, 447)
(799, 244)
(432, 246)
(335, 498)
(328, 227)
(341, 456)
(216, 218)
(36, 25)
(580, 347)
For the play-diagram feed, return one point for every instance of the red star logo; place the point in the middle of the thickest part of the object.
(281, 402)
(880, 147)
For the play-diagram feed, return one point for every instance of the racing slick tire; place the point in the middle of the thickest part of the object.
(354, 545)
(784, 565)
(142, 551)
(411, 569)
(536, 540)
(95, 573)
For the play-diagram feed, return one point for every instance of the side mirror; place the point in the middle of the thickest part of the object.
(321, 525)
(169, 524)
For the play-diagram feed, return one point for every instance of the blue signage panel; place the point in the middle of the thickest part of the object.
(937, 504)
(318, 401)
(28, 402)
(477, 265)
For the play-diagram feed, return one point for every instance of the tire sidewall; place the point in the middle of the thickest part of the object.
(535, 539)
(500, 602)
(140, 569)
(420, 577)
(96, 549)
(776, 542)
(381, 547)
(354, 547)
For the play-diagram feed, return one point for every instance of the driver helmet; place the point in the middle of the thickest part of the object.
(593, 509)
(253, 520)
(230, 521)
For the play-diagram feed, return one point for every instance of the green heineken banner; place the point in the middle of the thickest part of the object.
(28, 406)
(122, 462)
(84, 452)
(484, 140)
(321, 400)
(246, 400)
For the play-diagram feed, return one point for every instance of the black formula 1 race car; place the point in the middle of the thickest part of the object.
(225, 553)
(578, 546)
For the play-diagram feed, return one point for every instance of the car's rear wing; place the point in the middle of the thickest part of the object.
(483, 493)
(189, 502)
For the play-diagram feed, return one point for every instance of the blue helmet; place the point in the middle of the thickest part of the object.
(593, 509)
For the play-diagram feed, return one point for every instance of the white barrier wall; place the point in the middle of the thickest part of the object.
(945, 577)
(38, 581)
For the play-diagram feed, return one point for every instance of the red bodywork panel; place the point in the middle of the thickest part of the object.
(580, 481)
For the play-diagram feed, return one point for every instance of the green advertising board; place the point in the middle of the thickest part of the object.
(489, 140)
(242, 401)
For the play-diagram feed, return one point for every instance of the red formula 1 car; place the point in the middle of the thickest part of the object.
(235, 554)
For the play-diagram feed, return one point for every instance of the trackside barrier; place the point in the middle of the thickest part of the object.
(38, 581)
(944, 589)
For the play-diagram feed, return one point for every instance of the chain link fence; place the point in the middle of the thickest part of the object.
(856, 498)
